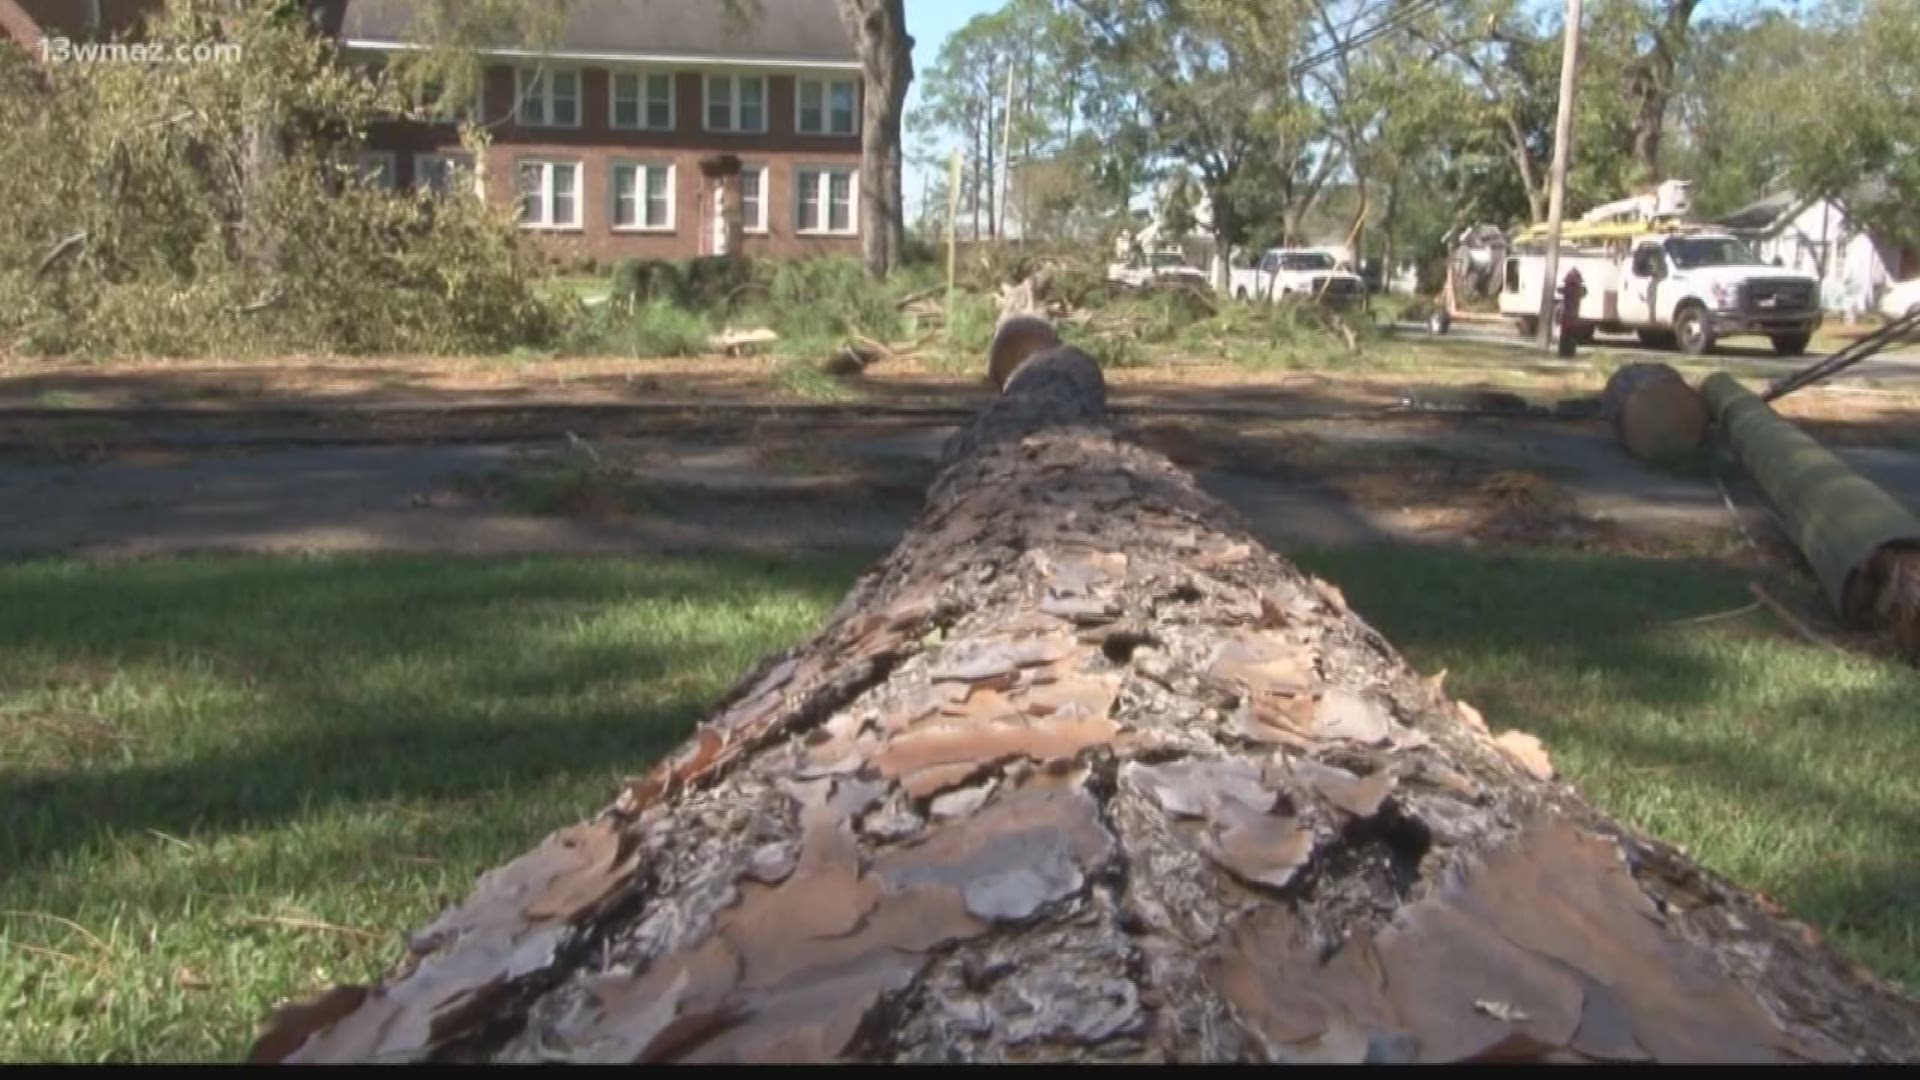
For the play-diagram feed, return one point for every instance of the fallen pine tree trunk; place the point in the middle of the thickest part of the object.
(1082, 771)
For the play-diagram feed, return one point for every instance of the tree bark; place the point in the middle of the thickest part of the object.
(1081, 771)
(879, 29)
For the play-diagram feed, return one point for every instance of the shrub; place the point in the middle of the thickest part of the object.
(176, 241)
(663, 328)
(637, 281)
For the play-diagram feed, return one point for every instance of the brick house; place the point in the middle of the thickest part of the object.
(654, 128)
(659, 129)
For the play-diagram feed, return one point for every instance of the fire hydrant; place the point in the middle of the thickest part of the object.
(1572, 289)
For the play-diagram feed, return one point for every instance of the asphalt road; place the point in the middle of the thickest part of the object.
(1898, 365)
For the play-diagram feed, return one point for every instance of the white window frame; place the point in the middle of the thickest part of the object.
(387, 162)
(475, 110)
(640, 76)
(825, 130)
(525, 116)
(640, 195)
(547, 192)
(762, 226)
(456, 160)
(733, 92)
(822, 179)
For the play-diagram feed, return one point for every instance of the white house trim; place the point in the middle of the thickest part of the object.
(641, 75)
(640, 167)
(823, 192)
(587, 56)
(826, 86)
(763, 226)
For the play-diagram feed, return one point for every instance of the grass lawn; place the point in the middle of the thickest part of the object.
(225, 781)
(1791, 769)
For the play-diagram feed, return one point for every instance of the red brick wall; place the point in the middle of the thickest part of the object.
(596, 145)
(68, 18)
(19, 27)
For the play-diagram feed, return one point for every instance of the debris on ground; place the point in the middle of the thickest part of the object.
(742, 342)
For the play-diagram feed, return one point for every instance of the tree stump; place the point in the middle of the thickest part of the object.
(1082, 771)
(1654, 413)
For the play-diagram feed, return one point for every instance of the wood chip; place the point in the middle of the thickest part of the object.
(1359, 796)
(1331, 594)
(1350, 717)
(1259, 847)
(1527, 752)
(290, 1026)
(976, 744)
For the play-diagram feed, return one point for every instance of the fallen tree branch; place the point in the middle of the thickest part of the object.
(61, 250)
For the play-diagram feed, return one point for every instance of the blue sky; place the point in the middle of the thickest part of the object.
(930, 21)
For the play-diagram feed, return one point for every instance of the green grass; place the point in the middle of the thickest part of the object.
(1792, 770)
(252, 775)
(201, 760)
(579, 286)
(807, 379)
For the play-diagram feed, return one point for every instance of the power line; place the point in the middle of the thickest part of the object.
(1419, 9)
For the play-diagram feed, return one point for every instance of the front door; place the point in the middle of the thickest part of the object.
(717, 199)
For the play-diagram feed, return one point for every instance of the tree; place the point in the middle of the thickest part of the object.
(1082, 772)
(1177, 220)
(879, 29)
(1650, 80)
(1209, 85)
(964, 103)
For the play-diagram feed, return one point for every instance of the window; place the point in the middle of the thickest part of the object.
(753, 198)
(824, 199)
(826, 107)
(643, 197)
(375, 168)
(736, 103)
(642, 100)
(547, 98)
(427, 104)
(549, 194)
(441, 173)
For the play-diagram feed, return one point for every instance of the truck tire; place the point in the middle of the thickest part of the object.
(1791, 344)
(1655, 339)
(1692, 329)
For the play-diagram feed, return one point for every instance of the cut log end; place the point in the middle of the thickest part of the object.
(1017, 338)
(1895, 573)
(1654, 413)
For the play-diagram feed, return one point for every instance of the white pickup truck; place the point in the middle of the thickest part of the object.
(1680, 286)
(1142, 269)
(1295, 272)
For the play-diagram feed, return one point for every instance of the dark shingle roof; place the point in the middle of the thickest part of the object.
(768, 30)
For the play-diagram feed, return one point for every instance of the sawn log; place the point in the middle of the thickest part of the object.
(1082, 771)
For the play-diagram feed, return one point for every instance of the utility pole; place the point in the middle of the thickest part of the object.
(1557, 189)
